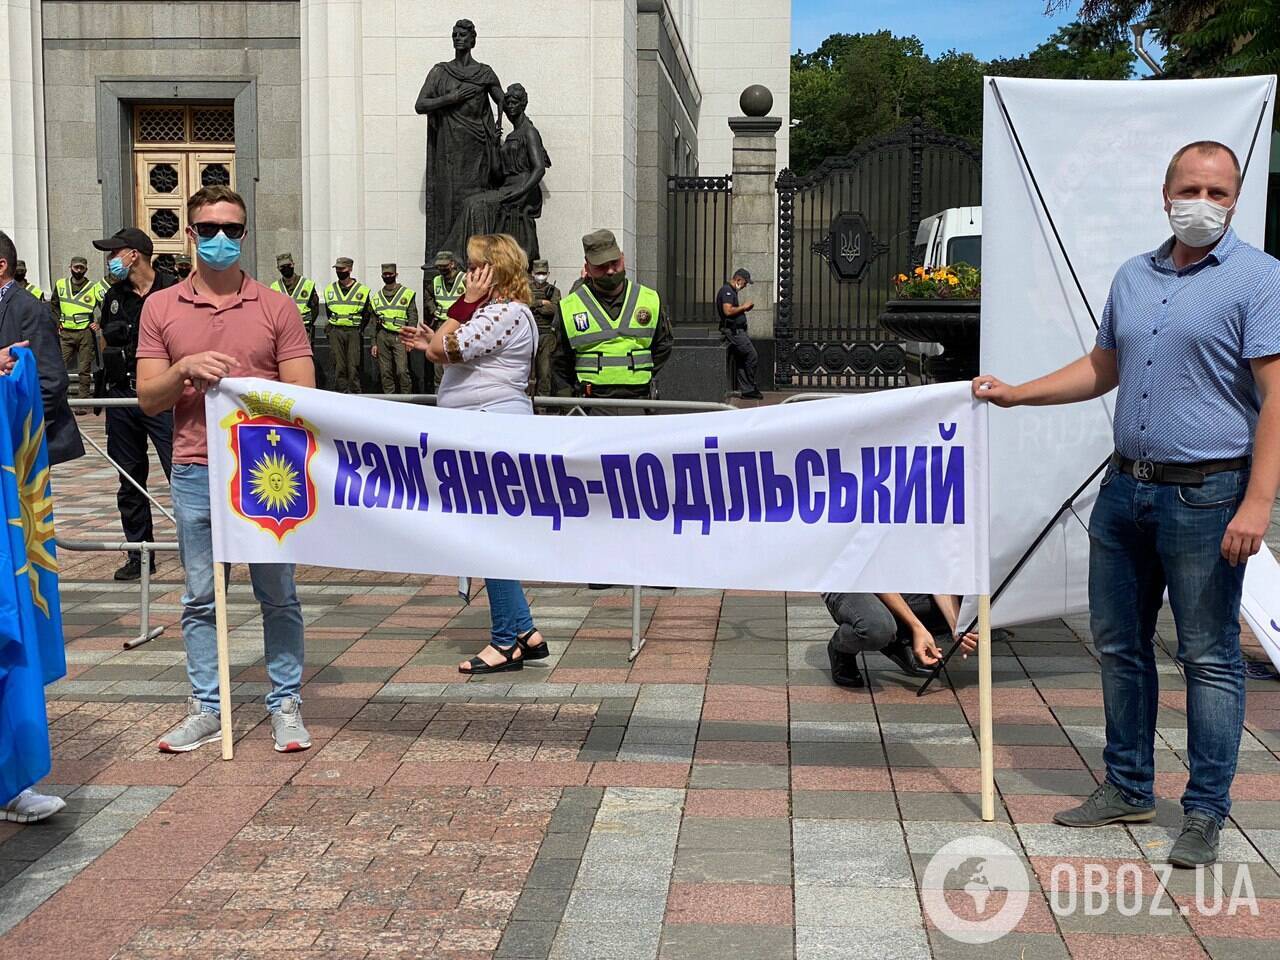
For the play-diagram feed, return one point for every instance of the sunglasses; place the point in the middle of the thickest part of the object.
(207, 231)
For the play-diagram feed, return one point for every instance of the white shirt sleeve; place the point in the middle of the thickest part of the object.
(492, 326)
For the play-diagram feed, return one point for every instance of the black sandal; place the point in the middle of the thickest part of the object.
(540, 652)
(511, 662)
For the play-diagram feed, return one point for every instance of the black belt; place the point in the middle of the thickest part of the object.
(1183, 474)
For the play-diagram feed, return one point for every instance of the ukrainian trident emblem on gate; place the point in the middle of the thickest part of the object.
(271, 485)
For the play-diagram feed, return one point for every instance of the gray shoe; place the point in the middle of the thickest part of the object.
(1197, 845)
(1105, 805)
(199, 728)
(31, 807)
(287, 729)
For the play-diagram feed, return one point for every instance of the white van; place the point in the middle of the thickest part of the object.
(947, 237)
(950, 236)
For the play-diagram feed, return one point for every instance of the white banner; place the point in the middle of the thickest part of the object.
(1258, 603)
(1097, 152)
(879, 492)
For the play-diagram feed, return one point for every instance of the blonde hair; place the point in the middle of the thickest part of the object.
(509, 262)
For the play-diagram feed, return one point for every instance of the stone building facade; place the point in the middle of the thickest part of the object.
(118, 110)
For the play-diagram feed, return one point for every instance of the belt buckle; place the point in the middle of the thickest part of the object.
(1143, 469)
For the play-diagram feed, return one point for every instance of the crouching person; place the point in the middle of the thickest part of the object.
(902, 626)
(220, 322)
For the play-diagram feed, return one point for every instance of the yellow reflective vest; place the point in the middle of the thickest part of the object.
(393, 310)
(76, 309)
(612, 352)
(301, 297)
(345, 306)
(447, 297)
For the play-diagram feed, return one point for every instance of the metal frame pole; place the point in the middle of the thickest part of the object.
(145, 631)
(140, 488)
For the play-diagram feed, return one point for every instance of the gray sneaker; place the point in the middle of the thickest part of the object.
(1105, 805)
(1197, 845)
(30, 807)
(287, 729)
(199, 728)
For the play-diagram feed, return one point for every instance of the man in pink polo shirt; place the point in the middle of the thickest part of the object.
(221, 322)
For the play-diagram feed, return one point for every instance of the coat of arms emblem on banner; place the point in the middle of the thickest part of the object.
(271, 485)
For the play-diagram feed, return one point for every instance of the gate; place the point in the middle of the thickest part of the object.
(844, 232)
(699, 246)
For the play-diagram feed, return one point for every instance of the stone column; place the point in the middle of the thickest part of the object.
(22, 173)
(333, 182)
(755, 153)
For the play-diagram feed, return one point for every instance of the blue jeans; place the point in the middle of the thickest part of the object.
(1144, 537)
(272, 586)
(508, 612)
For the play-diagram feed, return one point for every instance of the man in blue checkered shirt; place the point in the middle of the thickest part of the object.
(1191, 336)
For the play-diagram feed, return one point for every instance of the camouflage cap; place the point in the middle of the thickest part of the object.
(445, 256)
(539, 266)
(343, 263)
(283, 258)
(79, 262)
(601, 247)
(389, 268)
(19, 264)
(181, 259)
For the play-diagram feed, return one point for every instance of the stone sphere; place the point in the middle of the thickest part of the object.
(756, 100)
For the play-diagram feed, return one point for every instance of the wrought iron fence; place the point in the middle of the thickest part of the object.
(844, 231)
(699, 245)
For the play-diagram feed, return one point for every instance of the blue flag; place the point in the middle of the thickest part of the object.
(31, 643)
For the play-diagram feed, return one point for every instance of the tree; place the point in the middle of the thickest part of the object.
(1245, 33)
(1201, 37)
(1078, 51)
(855, 86)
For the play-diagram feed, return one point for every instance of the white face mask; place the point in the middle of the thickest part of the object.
(1198, 223)
(540, 277)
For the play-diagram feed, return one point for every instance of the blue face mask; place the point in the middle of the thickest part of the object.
(117, 269)
(218, 252)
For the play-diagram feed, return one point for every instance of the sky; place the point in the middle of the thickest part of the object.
(985, 28)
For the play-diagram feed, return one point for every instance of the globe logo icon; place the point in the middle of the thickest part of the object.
(971, 878)
(975, 889)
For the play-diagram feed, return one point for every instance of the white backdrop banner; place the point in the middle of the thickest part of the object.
(880, 492)
(1098, 152)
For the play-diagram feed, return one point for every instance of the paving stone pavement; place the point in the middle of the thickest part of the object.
(716, 797)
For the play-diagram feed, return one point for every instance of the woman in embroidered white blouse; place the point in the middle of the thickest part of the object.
(486, 347)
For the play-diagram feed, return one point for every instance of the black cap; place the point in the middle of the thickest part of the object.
(129, 238)
(744, 274)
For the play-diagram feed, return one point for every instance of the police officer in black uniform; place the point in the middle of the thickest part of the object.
(127, 427)
(733, 326)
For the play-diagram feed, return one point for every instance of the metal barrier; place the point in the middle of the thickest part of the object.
(576, 406)
(146, 632)
(801, 397)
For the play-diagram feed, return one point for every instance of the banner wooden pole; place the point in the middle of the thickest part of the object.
(985, 731)
(224, 656)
